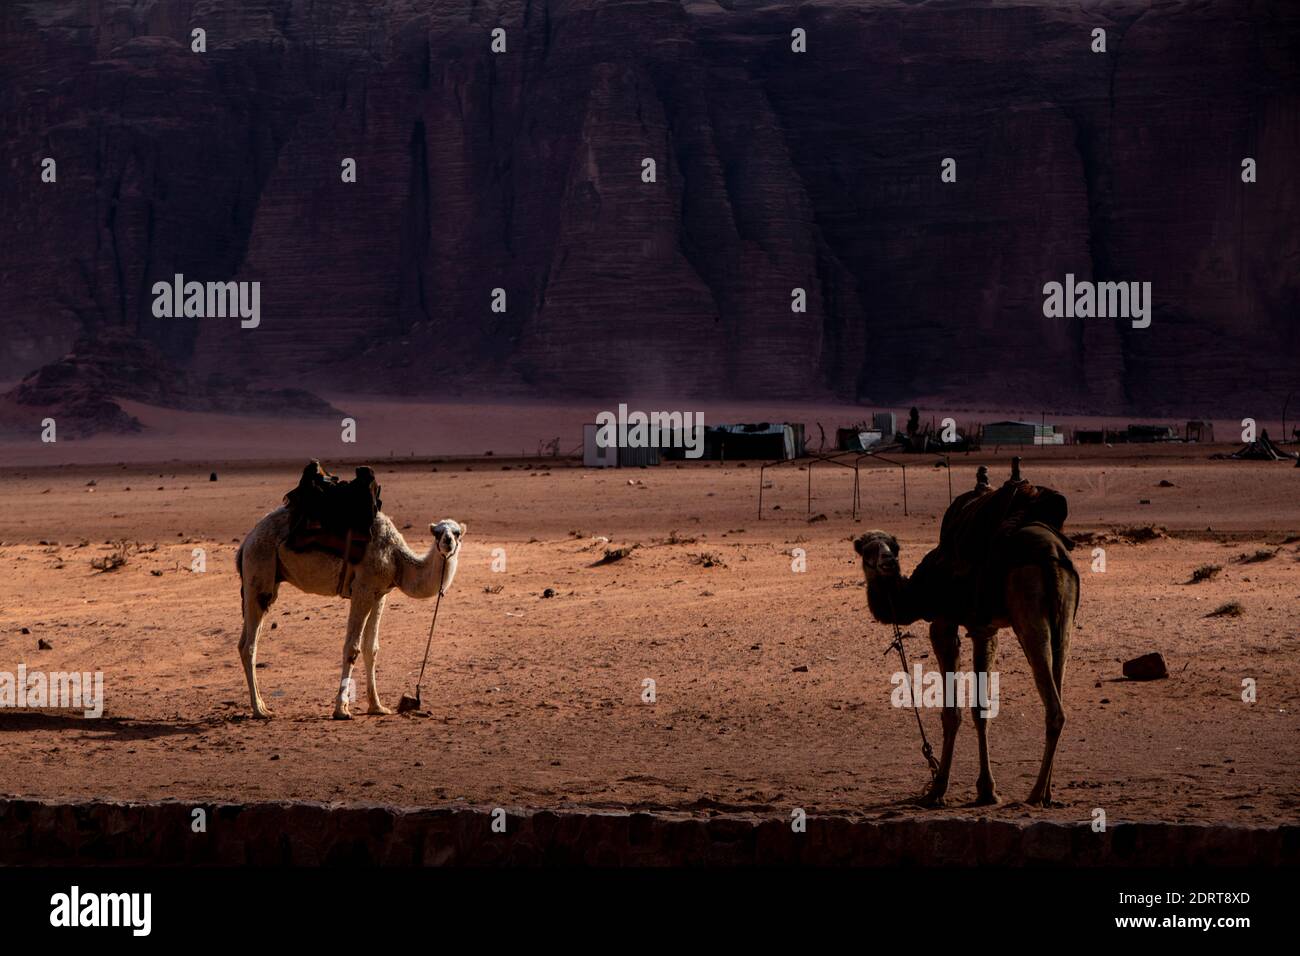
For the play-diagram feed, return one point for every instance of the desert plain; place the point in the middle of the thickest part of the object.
(772, 686)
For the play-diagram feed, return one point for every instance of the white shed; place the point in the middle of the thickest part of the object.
(593, 454)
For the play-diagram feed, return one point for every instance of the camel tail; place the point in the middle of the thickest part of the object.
(1067, 606)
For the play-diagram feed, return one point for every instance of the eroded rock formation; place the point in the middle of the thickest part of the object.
(775, 170)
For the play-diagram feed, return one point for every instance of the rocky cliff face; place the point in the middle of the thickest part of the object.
(523, 171)
(78, 389)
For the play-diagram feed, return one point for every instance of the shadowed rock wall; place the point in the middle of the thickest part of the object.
(522, 171)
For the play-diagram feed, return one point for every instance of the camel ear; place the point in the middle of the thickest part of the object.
(859, 544)
(893, 545)
(464, 528)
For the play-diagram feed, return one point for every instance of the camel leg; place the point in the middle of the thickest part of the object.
(1062, 625)
(1054, 714)
(985, 645)
(360, 610)
(1030, 616)
(370, 648)
(256, 604)
(944, 640)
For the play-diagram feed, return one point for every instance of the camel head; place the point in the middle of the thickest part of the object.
(446, 536)
(888, 596)
(879, 553)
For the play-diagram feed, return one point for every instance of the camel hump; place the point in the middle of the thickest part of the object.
(982, 535)
(327, 513)
(976, 520)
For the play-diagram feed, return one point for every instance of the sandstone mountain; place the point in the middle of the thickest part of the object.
(80, 389)
(775, 170)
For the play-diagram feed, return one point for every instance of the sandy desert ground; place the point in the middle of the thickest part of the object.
(773, 689)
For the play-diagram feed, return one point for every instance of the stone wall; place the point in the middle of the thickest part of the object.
(37, 832)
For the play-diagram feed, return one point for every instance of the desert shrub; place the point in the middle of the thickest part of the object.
(1231, 609)
(114, 559)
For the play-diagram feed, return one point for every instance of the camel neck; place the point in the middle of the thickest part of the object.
(421, 576)
(890, 600)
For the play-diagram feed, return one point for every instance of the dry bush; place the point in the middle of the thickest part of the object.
(1231, 609)
(1134, 534)
(114, 559)
(616, 554)
(1263, 554)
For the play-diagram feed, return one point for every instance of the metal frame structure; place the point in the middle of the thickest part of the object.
(834, 459)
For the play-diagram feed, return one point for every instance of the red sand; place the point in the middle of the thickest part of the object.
(536, 702)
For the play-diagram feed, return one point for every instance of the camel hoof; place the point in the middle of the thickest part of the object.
(1039, 800)
(935, 801)
(987, 800)
(263, 714)
(342, 715)
(379, 710)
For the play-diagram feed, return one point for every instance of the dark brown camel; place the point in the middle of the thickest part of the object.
(1028, 584)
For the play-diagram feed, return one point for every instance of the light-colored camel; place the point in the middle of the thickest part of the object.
(264, 560)
(1040, 590)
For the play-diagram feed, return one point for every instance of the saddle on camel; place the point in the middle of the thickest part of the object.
(972, 538)
(327, 513)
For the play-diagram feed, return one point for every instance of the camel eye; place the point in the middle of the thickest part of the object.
(457, 532)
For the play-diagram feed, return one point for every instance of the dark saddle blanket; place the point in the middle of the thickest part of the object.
(972, 557)
(979, 519)
(327, 513)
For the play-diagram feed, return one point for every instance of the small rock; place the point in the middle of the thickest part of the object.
(549, 593)
(212, 477)
(801, 669)
(44, 645)
(1147, 667)
(1165, 483)
(26, 630)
